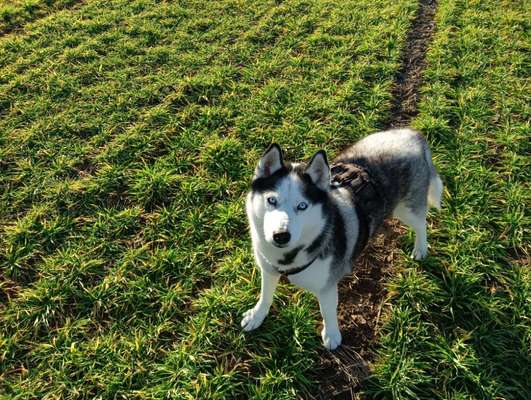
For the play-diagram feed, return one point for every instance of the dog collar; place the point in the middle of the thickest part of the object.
(291, 271)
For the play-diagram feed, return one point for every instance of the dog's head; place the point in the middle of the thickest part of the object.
(289, 199)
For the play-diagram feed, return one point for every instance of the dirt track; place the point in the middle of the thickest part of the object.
(362, 296)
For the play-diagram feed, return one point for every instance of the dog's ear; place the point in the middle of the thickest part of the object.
(319, 170)
(270, 162)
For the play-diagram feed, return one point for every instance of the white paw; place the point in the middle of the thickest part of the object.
(419, 252)
(252, 318)
(331, 339)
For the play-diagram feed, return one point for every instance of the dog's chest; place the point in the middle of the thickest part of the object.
(315, 277)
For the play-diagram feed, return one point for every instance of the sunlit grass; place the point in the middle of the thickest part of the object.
(128, 135)
(459, 325)
(130, 132)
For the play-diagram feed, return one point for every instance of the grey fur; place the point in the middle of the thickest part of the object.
(401, 170)
(400, 176)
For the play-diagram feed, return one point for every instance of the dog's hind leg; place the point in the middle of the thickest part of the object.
(328, 305)
(416, 219)
(254, 317)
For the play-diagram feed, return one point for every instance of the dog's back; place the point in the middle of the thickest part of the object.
(400, 166)
(399, 162)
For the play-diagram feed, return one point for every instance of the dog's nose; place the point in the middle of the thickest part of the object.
(281, 237)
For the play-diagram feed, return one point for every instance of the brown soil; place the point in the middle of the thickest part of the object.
(362, 296)
(413, 60)
(8, 290)
(361, 304)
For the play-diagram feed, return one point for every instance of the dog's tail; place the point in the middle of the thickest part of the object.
(435, 189)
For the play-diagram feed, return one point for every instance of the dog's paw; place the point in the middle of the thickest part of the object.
(331, 339)
(419, 252)
(252, 319)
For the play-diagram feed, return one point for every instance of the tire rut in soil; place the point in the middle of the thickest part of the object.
(408, 79)
(362, 296)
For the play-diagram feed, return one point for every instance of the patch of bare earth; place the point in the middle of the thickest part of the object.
(361, 304)
(413, 61)
(362, 296)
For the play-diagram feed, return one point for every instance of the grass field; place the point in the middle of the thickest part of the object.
(128, 134)
(16, 13)
(459, 324)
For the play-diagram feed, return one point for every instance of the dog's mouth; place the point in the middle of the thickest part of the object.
(280, 246)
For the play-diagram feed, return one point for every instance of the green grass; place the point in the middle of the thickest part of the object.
(128, 134)
(459, 324)
(16, 13)
(130, 131)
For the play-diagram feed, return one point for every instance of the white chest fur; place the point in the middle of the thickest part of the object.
(315, 277)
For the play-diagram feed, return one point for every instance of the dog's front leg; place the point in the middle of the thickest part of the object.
(328, 305)
(254, 317)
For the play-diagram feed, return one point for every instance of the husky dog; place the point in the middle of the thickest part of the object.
(304, 227)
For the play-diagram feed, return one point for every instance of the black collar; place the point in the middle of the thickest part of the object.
(293, 271)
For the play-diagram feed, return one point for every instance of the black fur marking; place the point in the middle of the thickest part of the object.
(264, 184)
(340, 237)
(290, 256)
(363, 233)
(310, 189)
(312, 192)
(317, 242)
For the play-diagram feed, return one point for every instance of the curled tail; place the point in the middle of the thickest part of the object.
(435, 188)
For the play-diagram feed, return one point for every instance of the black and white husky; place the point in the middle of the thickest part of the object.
(304, 227)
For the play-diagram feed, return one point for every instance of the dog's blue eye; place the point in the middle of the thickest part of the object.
(272, 201)
(302, 206)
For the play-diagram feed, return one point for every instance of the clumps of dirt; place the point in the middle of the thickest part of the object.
(408, 79)
(9, 290)
(361, 303)
(86, 167)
